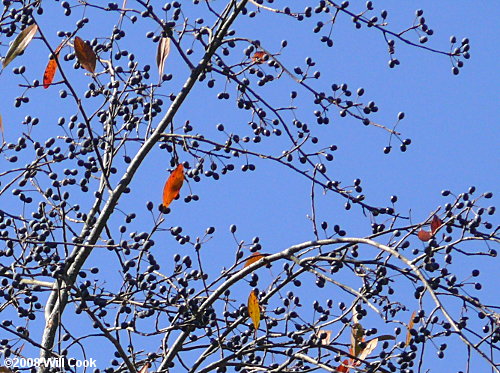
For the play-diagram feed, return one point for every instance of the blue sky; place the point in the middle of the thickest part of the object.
(451, 120)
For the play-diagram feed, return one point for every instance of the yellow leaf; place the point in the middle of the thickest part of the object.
(173, 185)
(85, 55)
(410, 327)
(20, 43)
(254, 309)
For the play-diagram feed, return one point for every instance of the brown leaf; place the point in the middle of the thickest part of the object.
(144, 369)
(410, 327)
(1, 124)
(254, 258)
(85, 55)
(435, 224)
(173, 185)
(20, 43)
(357, 334)
(259, 57)
(254, 309)
(162, 54)
(51, 68)
(386, 337)
(424, 235)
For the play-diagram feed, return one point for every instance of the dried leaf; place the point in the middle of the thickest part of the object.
(386, 337)
(424, 235)
(162, 54)
(85, 55)
(144, 369)
(253, 258)
(344, 367)
(5, 370)
(370, 346)
(50, 70)
(356, 339)
(20, 43)
(254, 309)
(173, 185)
(435, 224)
(1, 124)
(259, 57)
(327, 336)
(20, 349)
(410, 327)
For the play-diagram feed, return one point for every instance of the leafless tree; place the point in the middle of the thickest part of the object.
(63, 209)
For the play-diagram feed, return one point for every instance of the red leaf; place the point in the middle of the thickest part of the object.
(343, 367)
(259, 57)
(85, 55)
(173, 185)
(435, 224)
(424, 235)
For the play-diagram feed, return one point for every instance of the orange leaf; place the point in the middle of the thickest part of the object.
(173, 185)
(410, 326)
(424, 235)
(49, 73)
(253, 258)
(254, 309)
(51, 68)
(259, 57)
(343, 368)
(435, 224)
(85, 55)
